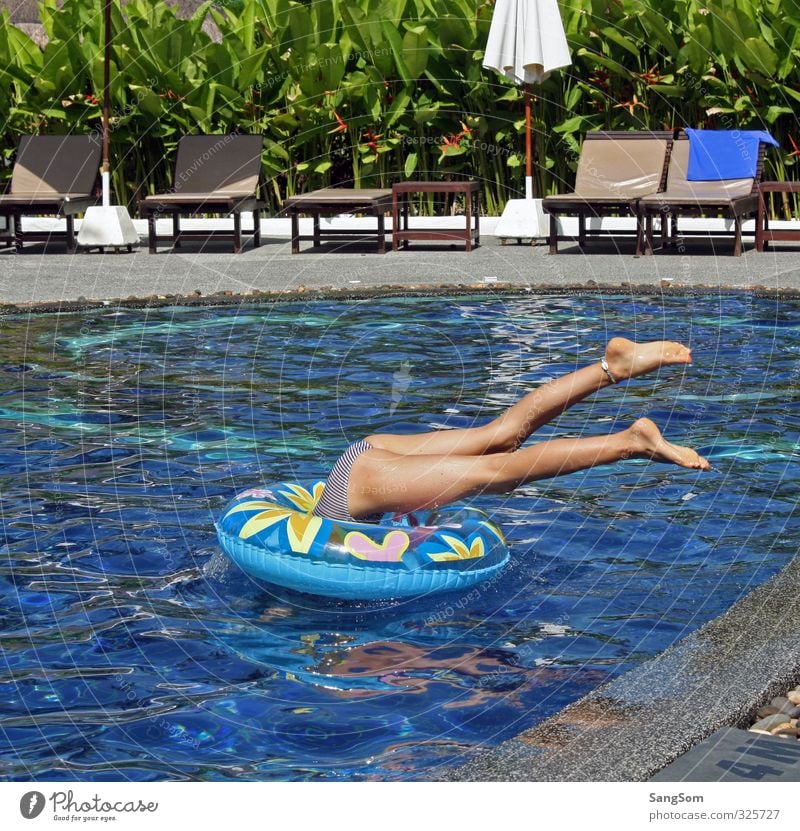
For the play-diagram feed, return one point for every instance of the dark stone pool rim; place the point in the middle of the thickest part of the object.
(294, 295)
(629, 729)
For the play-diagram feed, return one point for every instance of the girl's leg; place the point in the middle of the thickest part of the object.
(626, 359)
(381, 481)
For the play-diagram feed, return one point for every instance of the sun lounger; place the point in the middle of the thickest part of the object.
(615, 170)
(52, 176)
(219, 175)
(733, 199)
(331, 201)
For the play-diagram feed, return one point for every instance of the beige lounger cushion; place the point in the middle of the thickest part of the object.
(679, 188)
(55, 167)
(225, 166)
(579, 199)
(620, 168)
(184, 198)
(338, 195)
(22, 199)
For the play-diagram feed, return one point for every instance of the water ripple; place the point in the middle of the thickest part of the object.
(133, 649)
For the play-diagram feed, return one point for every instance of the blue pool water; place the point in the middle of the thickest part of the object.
(131, 649)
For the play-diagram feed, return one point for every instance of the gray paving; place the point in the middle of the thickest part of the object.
(39, 275)
(631, 728)
(732, 755)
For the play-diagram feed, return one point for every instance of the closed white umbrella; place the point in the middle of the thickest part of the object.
(526, 43)
(526, 40)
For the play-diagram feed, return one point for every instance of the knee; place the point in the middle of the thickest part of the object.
(502, 438)
(494, 474)
(375, 441)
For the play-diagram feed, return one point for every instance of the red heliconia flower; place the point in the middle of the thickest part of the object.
(651, 76)
(449, 141)
(631, 105)
(454, 139)
(371, 139)
(342, 125)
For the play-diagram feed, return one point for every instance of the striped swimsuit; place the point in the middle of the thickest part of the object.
(333, 503)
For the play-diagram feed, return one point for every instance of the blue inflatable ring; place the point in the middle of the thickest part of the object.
(272, 534)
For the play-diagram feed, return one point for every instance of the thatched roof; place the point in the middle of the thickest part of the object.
(25, 16)
(22, 11)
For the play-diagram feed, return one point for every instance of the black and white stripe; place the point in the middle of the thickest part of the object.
(333, 503)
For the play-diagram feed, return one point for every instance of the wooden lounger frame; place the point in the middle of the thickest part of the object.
(54, 175)
(233, 185)
(670, 207)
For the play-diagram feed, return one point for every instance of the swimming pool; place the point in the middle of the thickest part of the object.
(133, 650)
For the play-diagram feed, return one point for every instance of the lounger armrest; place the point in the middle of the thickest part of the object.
(66, 205)
(573, 203)
(77, 204)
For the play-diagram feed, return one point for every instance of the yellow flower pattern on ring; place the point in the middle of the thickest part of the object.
(494, 529)
(300, 528)
(459, 550)
(303, 499)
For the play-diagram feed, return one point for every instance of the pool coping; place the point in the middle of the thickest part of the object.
(302, 294)
(634, 726)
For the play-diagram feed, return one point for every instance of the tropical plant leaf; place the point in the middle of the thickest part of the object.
(757, 55)
(402, 68)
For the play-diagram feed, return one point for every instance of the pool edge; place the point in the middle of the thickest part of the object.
(632, 727)
(291, 295)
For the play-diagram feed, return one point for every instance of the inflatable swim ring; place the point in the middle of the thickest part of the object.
(272, 534)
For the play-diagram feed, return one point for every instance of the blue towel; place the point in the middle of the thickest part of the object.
(724, 154)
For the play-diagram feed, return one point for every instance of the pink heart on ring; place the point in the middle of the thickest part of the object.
(258, 493)
(391, 550)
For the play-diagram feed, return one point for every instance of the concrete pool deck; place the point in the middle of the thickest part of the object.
(49, 278)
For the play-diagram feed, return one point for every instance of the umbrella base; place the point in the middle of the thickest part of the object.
(107, 226)
(523, 219)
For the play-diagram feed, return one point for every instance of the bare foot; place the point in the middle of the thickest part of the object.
(628, 359)
(648, 443)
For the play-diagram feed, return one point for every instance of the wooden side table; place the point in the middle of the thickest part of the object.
(764, 235)
(472, 208)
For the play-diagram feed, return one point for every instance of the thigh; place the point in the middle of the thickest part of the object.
(382, 481)
(471, 441)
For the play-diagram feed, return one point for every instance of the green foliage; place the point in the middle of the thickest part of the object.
(366, 92)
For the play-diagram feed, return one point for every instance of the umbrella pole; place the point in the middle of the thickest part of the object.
(106, 224)
(106, 104)
(528, 145)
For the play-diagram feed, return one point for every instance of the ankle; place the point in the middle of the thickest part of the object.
(607, 370)
(633, 440)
